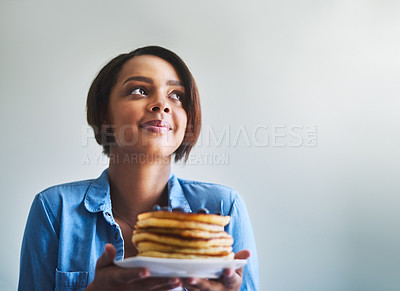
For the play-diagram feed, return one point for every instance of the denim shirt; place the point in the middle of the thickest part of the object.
(69, 225)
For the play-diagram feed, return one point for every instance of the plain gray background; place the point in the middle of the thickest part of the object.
(300, 107)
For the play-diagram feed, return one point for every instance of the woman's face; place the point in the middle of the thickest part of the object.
(145, 108)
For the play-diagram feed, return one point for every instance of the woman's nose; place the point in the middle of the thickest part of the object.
(160, 106)
(157, 108)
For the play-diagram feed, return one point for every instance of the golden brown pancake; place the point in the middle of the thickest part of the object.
(170, 223)
(180, 235)
(183, 256)
(200, 217)
(188, 233)
(154, 246)
(182, 242)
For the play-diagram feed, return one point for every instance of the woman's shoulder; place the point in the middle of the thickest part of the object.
(68, 186)
(76, 188)
(70, 191)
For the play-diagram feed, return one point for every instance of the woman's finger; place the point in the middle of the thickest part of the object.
(194, 284)
(107, 258)
(155, 284)
(130, 275)
(242, 255)
(171, 284)
(230, 278)
(190, 287)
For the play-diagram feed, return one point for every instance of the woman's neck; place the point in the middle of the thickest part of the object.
(137, 186)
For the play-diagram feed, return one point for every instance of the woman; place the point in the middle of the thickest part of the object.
(144, 109)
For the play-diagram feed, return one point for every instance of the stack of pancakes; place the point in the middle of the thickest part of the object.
(180, 235)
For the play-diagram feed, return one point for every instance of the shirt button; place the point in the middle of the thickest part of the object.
(108, 214)
(116, 236)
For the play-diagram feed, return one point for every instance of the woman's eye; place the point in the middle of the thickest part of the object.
(137, 91)
(176, 96)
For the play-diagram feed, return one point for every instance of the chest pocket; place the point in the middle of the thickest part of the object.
(68, 281)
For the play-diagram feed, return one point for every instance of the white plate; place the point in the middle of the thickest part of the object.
(159, 267)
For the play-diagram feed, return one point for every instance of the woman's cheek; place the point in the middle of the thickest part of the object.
(126, 135)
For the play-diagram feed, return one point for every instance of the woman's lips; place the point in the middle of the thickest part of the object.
(156, 126)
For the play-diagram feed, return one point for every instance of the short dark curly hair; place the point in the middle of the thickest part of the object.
(99, 96)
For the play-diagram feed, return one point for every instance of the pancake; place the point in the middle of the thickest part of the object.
(199, 217)
(189, 233)
(183, 256)
(182, 242)
(180, 235)
(154, 246)
(170, 223)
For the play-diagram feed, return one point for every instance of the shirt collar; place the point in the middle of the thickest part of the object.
(177, 196)
(98, 195)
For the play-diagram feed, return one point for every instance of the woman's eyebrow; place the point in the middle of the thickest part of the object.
(139, 78)
(174, 83)
(150, 81)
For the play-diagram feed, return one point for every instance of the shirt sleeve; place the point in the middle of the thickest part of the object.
(39, 250)
(241, 230)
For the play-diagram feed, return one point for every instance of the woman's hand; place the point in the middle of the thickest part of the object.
(108, 276)
(229, 280)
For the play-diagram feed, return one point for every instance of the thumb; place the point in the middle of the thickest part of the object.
(108, 256)
(243, 255)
